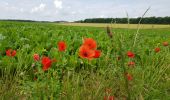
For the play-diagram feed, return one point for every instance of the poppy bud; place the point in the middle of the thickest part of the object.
(36, 57)
(109, 33)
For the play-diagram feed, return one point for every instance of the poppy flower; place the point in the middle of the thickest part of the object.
(46, 62)
(130, 54)
(86, 52)
(14, 52)
(97, 53)
(108, 97)
(131, 63)
(91, 43)
(165, 44)
(36, 57)
(8, 52)
(11, 53)
(62, 46)
(111, 97)
(157, 49)
(129, 76)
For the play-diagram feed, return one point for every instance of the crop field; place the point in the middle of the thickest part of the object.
(47, 61)
(129, 26)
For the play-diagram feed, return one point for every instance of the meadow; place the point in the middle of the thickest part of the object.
(131, 65)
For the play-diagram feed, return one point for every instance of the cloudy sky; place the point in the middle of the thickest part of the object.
(71, 10)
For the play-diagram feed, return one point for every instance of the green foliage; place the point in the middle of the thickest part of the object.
(145, 20)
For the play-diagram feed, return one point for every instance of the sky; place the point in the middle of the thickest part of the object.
(73, 10)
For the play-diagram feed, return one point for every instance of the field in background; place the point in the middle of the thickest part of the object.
(75, 78)
(131, 26)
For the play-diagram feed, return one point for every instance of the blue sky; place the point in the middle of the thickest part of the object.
(71, 10)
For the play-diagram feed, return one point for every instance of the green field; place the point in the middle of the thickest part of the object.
(71, 77)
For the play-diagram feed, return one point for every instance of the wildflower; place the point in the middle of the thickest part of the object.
(165, 44)
(157, 49)
(97, 53)
(90, 43)
(11, 53)
(36, 57)
(86, 52)
(46, 62)
(130, 54)
(8, 52)
(129, 76)
(108, 97)
(111, 97)
(14, 52)
(131, 63)
(62, 46)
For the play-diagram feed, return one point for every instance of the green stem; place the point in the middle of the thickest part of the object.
(124, 71)
(125, 79)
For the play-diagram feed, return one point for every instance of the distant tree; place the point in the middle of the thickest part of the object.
(145, 20)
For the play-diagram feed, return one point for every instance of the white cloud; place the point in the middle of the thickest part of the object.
(101, 16)
(21, 10)
(71, 10)
(41, 7)
(58, 4)
(6, 3)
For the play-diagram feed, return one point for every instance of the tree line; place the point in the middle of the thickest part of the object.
(145, 20)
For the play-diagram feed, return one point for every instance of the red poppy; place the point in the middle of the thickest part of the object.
(46, 62)
(14, 52)
(131, 63)
(62, 46)
(105, 97)
(36, 57)
(130, 54)
(11, 52)
(86, 52)
(157, 49)
(111, 97)
(91, 43)
(165, 44)
(97, 53)
(108, 97)
(129, 76)
(8, 52)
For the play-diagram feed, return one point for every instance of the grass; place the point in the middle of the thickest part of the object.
(74, 78)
